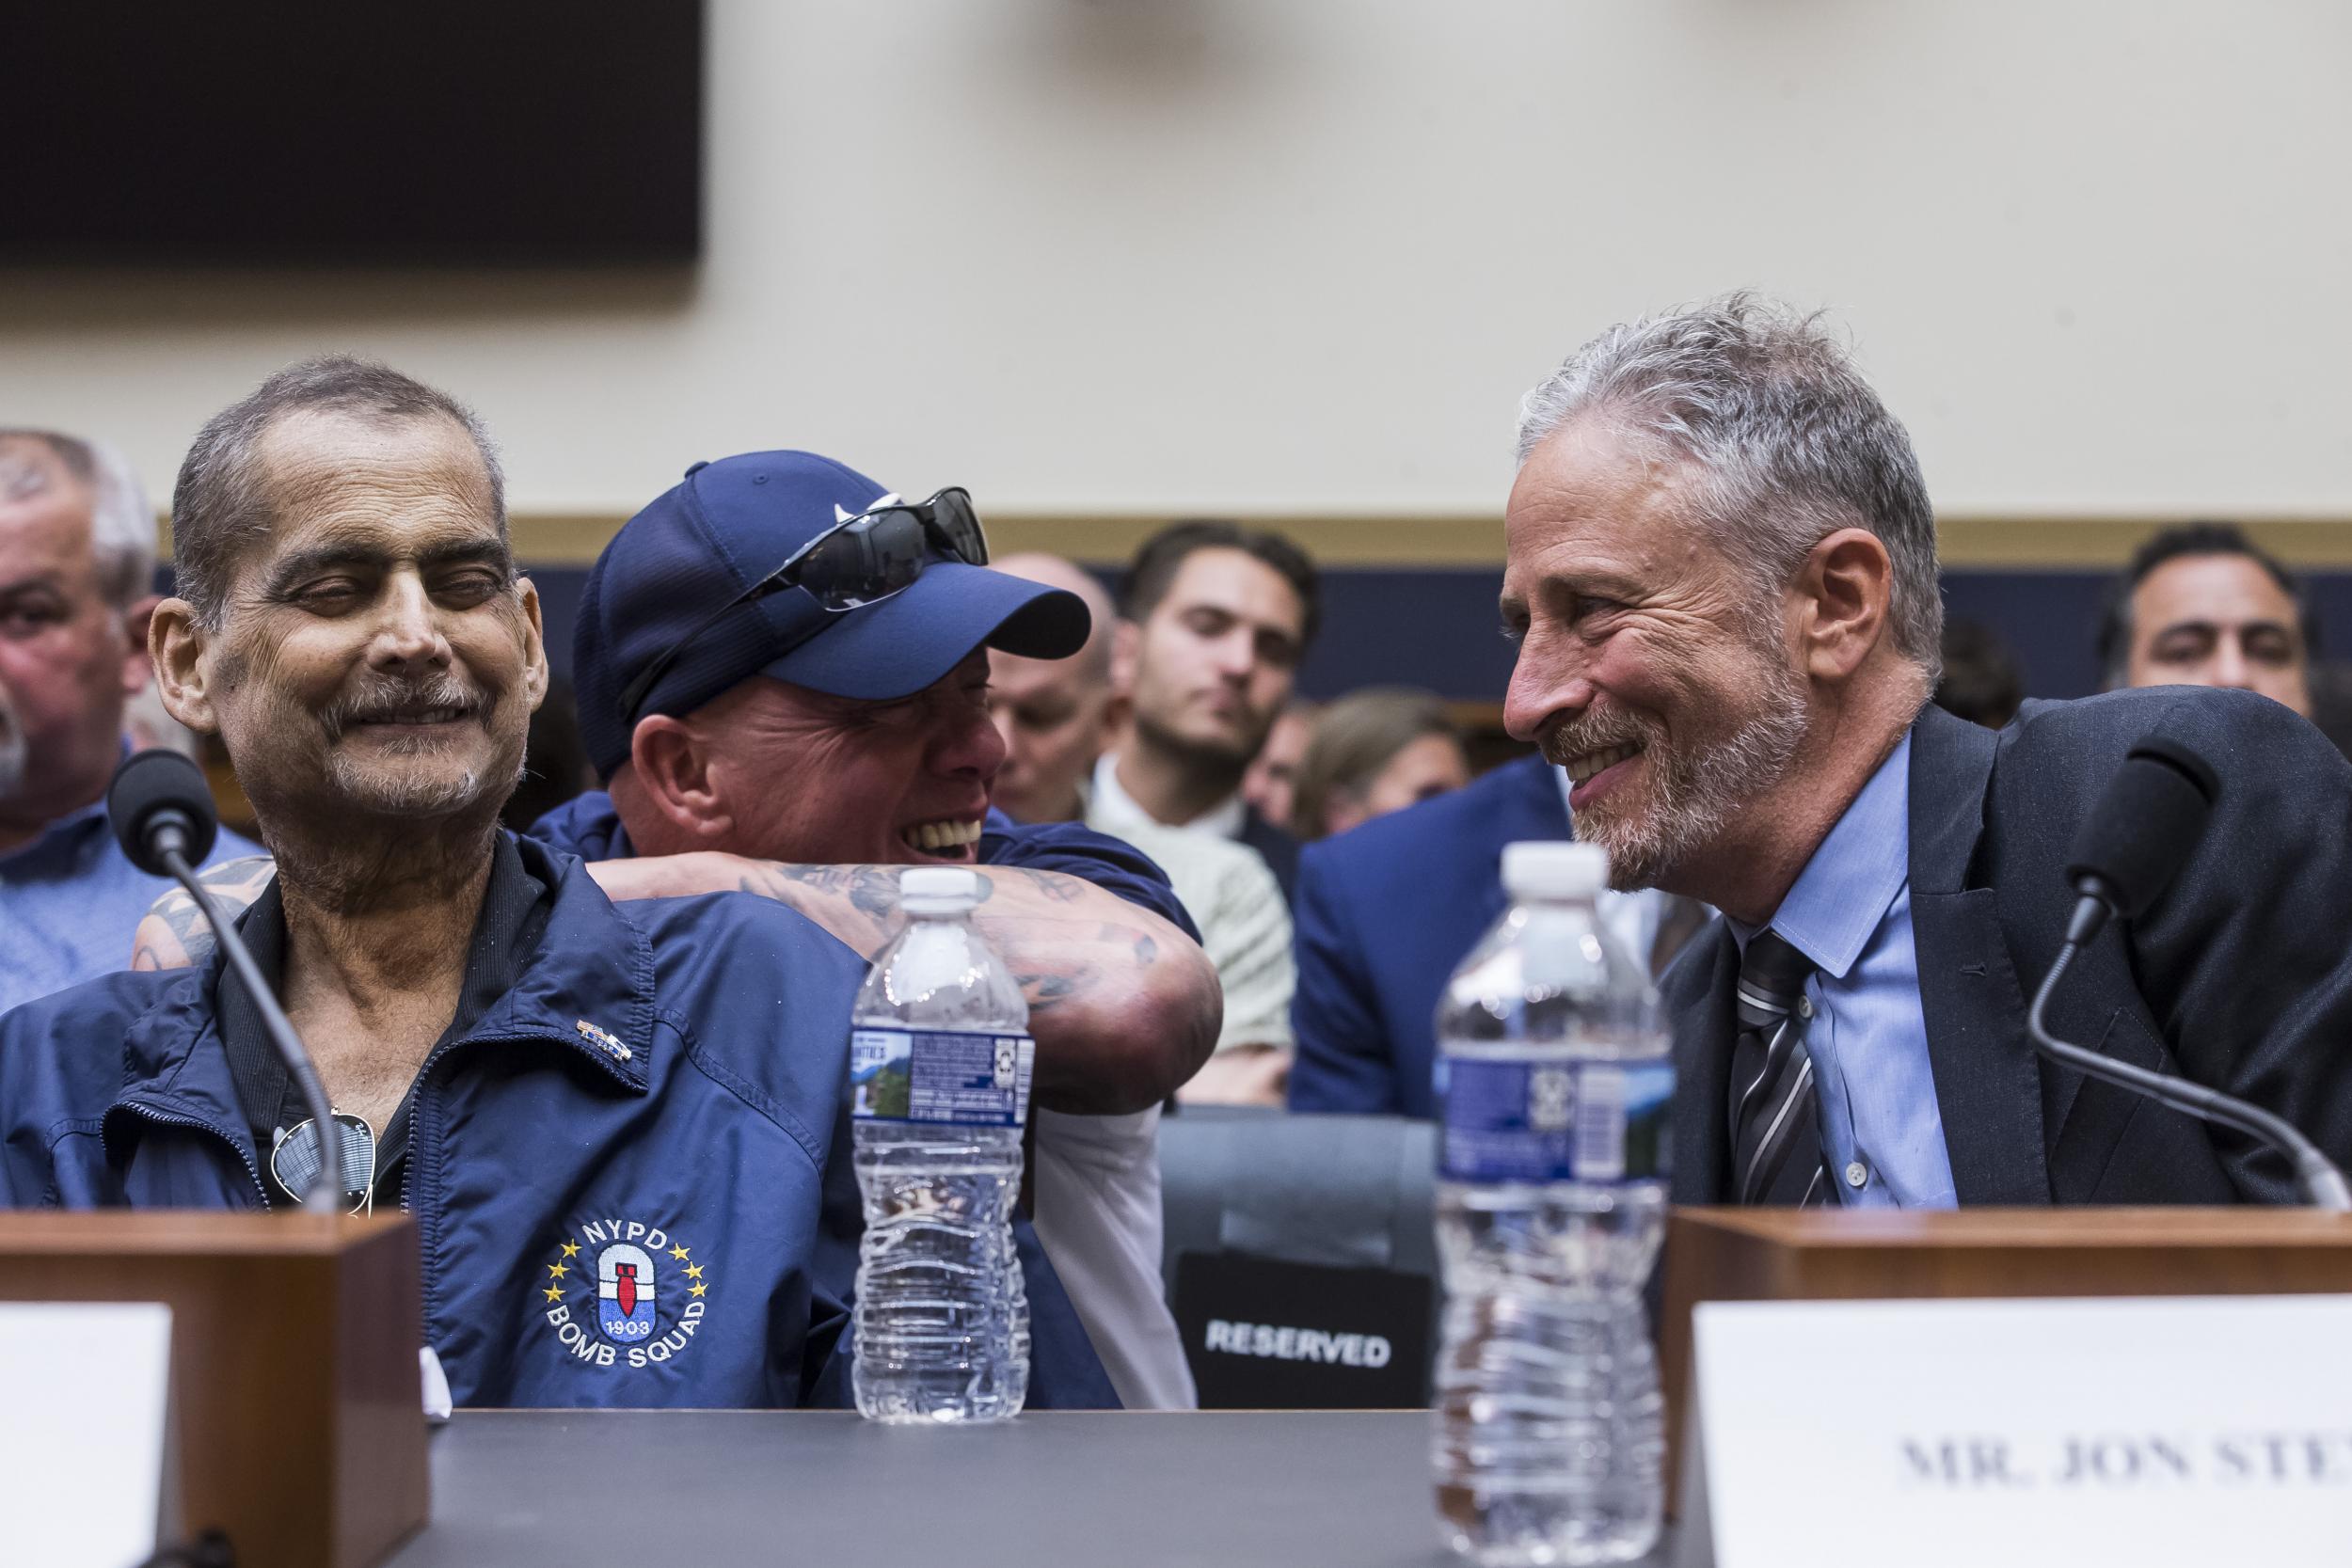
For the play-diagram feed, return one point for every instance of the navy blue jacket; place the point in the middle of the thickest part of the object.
(662, 1096)
(1383, 913)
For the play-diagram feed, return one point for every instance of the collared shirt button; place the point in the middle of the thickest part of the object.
(1857, 1173)
(1805, 1006)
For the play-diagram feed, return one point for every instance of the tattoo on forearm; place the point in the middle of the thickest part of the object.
(866, 898)
(1058, 886)
(874, 892)
(1044, 991)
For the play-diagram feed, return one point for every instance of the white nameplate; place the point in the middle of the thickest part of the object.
(82, 1448)
(2201, 1431)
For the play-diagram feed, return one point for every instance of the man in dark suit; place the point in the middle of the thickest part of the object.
(1722, 571)
(1384, 911)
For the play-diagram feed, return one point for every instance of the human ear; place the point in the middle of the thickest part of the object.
(673, 770)
(1844, 590)
(175, 646)
(536, 648)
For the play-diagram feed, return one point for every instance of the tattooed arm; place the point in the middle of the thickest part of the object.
(1124, 1005)
(175, 933)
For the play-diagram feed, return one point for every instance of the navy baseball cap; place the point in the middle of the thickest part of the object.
(728, 525)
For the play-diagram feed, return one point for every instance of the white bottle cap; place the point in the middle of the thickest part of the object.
(926, 888)
(1551, 868)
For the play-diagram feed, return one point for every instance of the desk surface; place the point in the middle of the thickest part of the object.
(718, 1488)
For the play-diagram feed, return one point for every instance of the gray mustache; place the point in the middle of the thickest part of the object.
(1575, 739)
(372, 704)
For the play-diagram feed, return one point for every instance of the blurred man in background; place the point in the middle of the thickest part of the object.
(1270, 784)
(2203, 604)
(1214, 620)
(77, 564)
(1375, 752)
(1053, 714)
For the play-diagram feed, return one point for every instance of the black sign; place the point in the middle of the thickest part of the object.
(1266, 1335)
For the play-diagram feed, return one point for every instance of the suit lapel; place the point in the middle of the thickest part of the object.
(1698, 995)
(1988, 1081)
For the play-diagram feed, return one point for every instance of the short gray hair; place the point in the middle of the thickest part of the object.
(221, 503)
(1787, 442)
(121, 525)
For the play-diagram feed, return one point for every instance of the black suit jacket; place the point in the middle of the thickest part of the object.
(2240, 976)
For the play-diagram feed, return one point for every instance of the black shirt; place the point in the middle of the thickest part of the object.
(514, 909)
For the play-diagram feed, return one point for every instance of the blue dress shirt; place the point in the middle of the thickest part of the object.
(70, 902)
(1849, 912)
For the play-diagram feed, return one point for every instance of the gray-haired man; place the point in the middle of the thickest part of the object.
(78, 559)
(1720, 570)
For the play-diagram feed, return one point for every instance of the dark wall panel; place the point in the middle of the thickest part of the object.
(272, 133)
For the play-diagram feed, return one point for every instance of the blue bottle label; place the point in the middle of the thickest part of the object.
(1527, 1120)
(948, 1077)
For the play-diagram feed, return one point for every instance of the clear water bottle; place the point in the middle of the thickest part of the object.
(940, 1060)
(1556, 1086)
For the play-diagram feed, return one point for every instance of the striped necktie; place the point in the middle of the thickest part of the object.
(1775, 1136)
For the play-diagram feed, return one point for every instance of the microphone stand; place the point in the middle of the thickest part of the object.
(171, 840)
(2322, 1184)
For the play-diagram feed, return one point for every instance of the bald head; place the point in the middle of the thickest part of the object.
(1055, 572)
(1053, 712)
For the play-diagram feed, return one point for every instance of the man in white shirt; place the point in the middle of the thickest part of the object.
(1214, 619)
(1054, 714)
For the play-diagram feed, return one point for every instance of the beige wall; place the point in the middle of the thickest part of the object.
(1282, 255)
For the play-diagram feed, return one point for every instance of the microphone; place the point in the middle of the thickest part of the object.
(2125, 854)
(163, 816)
(2140, 835)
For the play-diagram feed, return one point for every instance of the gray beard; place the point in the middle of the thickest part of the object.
(1695, 793)
(415, 796)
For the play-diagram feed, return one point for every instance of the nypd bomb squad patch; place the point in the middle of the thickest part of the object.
(623, 1294)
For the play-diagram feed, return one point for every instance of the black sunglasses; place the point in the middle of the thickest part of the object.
(857, 562)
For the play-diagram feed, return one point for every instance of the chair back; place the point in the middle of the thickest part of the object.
(1300, 1254)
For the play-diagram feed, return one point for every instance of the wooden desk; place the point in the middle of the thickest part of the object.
(294, 1361)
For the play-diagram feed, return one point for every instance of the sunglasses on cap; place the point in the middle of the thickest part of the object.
(857, 562)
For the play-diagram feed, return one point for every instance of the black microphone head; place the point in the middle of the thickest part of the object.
(155, 788)
(2146, 824)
